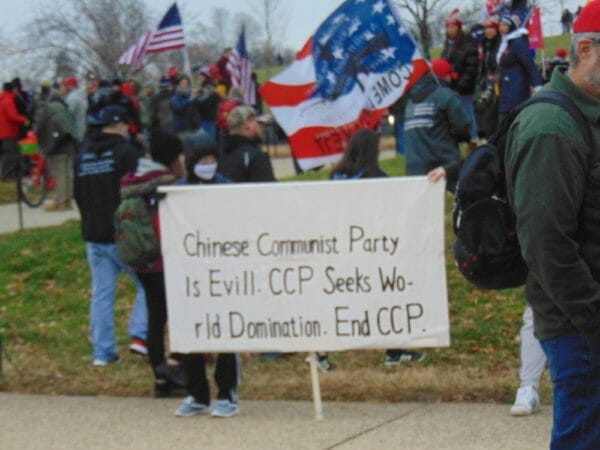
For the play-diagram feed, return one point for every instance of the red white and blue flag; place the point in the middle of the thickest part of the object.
(240, 70)
(168, 36)
(358, 63)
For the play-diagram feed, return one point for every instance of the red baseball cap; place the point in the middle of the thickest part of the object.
(172, 72)
(453, 19)
(491, 23)
(588, 20)
(70, 82)
(561, 53)
(441, 67)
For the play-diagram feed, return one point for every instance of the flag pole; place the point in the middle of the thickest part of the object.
(187, 68)
(316, 387)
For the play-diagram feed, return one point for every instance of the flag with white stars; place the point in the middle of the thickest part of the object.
(359, 62)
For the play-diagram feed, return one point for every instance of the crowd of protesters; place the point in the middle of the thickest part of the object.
(122, 137)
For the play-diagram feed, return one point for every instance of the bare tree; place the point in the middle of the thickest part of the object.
(420, 12)
(219, 29)
(92, 32)
(272, 16)
(254, 33)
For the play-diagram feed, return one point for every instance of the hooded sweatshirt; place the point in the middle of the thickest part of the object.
(99, 165)
(435, 123)
(242, 161)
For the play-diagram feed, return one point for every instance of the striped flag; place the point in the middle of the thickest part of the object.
(357, 64)
(240, 69)
(168, 36)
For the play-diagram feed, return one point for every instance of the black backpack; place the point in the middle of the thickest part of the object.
(486, 249)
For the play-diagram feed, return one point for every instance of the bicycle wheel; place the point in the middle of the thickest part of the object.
(32, 184)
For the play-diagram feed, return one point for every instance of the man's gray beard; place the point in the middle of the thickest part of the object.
(593, 78)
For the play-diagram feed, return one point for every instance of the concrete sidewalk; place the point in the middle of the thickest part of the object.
(40, 422)
(37, 217)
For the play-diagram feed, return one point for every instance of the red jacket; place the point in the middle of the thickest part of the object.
(10, 119)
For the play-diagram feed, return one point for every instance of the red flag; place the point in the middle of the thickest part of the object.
(534, 26)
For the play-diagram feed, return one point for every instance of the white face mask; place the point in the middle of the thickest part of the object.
(205, 171)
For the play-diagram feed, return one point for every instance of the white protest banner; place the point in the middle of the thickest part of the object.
(305, 266)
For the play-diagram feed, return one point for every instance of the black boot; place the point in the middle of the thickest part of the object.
(167, 379)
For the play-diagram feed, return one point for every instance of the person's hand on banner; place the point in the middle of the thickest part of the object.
(437, 174)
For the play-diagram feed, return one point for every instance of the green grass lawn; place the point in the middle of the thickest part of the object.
(44, 304)
(44, 293)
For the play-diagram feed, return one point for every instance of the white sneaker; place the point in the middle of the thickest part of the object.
(526, 403)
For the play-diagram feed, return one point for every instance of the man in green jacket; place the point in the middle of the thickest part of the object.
(553, 181)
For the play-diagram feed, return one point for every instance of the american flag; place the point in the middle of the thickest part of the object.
(357, 64)
(240, 69)
(168, 36)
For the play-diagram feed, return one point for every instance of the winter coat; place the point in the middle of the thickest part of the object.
(148, 176)
(185, 113)
(161, 115)
(489, 63)
(55, 127)
(76, 102)
(518, 72)
(10, 119)
(553, 185)
(100, 163)
(435, 122)
(242, 161)
(462, 54)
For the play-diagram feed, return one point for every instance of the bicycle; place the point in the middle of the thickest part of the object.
(33, 178)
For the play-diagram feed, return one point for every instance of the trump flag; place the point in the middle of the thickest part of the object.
(359, 62)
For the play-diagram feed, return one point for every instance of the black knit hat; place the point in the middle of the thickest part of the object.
(197, 146)
(165, 147)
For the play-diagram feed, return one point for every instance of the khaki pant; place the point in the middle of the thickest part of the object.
(61, 168)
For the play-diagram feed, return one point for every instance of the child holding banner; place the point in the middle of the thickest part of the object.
(201, 166)
(361, 160)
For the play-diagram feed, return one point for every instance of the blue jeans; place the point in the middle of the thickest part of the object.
(105, 266)
(467, 103)
(575, 374)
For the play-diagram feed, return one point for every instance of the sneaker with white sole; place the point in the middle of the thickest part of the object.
(101, 362)
(526, 403)
(225, 408)
(190, 407)
(323, 363)
(397, 358)
(138, 346)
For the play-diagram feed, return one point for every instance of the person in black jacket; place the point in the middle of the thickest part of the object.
(103, 158)
(241, 159)
(486, 105)
(460, 50)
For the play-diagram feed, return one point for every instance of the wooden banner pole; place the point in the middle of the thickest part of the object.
(316, 387)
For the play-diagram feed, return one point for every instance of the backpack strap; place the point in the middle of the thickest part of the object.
(556, 98)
